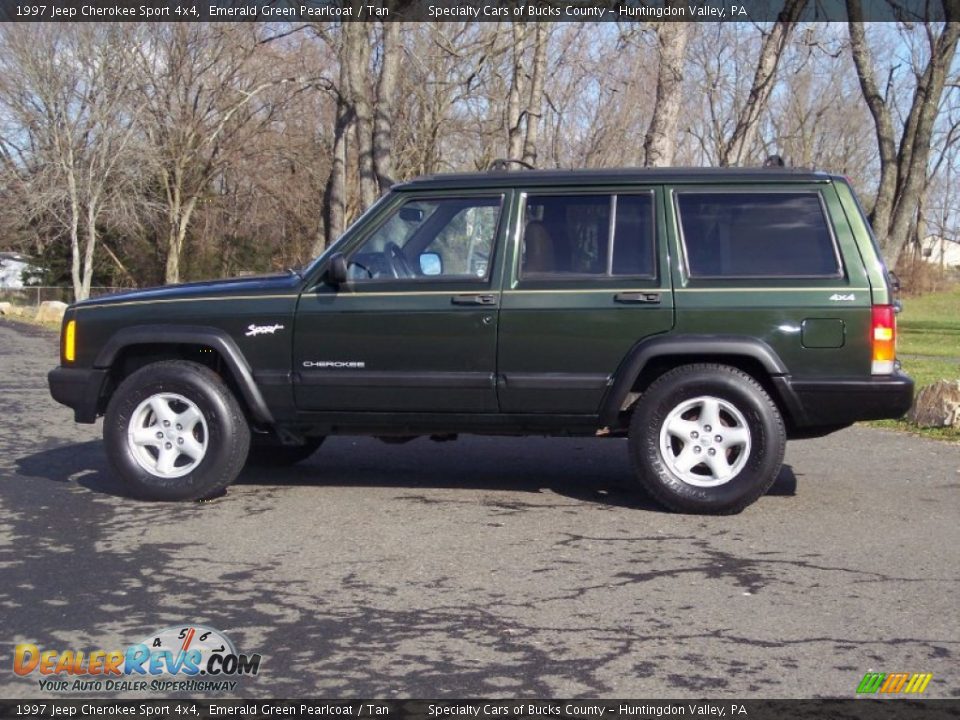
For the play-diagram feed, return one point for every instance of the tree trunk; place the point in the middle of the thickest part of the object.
(535, 106)
(737, 149)
(514, 113)
(356, 60)
(383, 116)
(913, 165)
(91, 226)
(903, 170)
(335, 200)
(661, 139)
(179, 218)
(883, 125)
(76, 265)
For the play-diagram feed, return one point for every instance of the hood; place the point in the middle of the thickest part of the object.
(288, 282)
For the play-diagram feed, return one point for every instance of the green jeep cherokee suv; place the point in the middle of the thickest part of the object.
(706, 315)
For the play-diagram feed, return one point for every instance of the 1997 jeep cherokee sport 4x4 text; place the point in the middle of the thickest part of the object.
(708, 315)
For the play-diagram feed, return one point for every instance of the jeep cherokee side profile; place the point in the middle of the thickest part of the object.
(707, 315)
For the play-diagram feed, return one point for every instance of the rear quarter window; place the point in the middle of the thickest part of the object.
(756, 234)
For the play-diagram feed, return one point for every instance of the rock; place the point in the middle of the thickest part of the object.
(937, 405)
(51, 311)
(11, 310)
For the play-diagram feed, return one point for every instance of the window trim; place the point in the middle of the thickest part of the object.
(360, 285)
(607, 276)
(678, 225)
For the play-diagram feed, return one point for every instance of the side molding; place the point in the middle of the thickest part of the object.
(661, 345)
(192, 335)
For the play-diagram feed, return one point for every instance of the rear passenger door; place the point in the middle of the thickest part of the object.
(586, 279)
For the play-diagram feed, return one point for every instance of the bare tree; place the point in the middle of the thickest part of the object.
(525, 95)
(256, 143)
(903, 164)
(737, 147)
(818, 118)
(535, 101)
(205, 92)
(67, 87)
(661, 139)
(365, 95)
(392, 51)
(514, 109)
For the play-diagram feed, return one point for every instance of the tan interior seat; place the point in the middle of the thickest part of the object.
(539, 256)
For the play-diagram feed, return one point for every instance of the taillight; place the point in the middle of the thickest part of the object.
(884, 338)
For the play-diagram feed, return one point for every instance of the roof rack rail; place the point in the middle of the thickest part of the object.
(504, 164)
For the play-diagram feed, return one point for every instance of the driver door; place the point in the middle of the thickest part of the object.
(415, 326)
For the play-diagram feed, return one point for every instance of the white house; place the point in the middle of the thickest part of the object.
(940, 251)
(12, 266)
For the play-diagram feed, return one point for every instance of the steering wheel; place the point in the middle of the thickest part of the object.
(400, 267)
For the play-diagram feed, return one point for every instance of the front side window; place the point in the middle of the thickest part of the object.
(744, 234)
(445, 238)
(588, 235)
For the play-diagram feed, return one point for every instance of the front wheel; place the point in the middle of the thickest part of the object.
(707, 439)
(174, 431)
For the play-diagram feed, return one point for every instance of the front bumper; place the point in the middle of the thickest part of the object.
(848, 400)
(78, 388)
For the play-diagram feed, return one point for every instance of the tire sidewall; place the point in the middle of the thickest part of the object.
(224, 438)
(764, 424)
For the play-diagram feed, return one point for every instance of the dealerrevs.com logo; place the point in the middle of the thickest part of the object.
(192, 658)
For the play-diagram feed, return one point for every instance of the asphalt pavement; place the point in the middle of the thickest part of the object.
(504, 567)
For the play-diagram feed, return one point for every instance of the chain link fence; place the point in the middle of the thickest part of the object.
(36, 294)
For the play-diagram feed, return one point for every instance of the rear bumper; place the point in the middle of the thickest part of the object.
(79, 389)
(847, 400)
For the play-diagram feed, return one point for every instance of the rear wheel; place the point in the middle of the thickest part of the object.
(174, 431)
(706, 438)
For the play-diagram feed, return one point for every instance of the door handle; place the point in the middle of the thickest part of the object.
(474, 300)
(645, 298)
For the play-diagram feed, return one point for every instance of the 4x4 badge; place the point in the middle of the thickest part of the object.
(841, 297)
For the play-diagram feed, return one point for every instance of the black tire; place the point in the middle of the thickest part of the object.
(660, 466)
(223, 433)
(269, 453)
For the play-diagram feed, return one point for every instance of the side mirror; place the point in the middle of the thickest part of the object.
(411, 214)
(337, 270)
(431, 264)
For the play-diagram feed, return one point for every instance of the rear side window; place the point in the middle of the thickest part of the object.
(740, 234)
(588, 235)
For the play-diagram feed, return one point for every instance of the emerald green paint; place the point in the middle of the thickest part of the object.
(822, 333)
(548, 349)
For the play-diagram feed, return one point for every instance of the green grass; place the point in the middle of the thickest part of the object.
(930, 325)
(926, 371)
(929, 349)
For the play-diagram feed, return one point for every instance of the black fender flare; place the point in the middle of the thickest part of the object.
(212, 337)
(673, 345)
